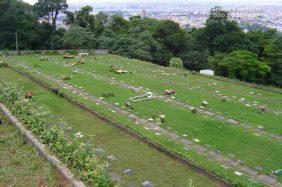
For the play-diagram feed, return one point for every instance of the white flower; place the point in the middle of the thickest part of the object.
(150, 119)
(162, 116)
(79, 135)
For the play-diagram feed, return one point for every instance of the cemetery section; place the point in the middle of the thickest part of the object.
(234, 126)
(132, 162)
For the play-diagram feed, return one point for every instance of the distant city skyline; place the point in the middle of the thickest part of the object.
(188, 13)
(220, 2)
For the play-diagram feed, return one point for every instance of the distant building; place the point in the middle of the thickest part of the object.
(207, 72)
(246, 30)
(143, 13)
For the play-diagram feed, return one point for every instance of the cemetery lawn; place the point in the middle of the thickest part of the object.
(147, 163)
(21, 164)
(242, 144)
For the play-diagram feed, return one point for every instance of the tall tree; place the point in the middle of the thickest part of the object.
(221, 34)
(242, 65)
(79, 38)
(82, 18)
(49, 10)
(101, 21)
(16, 17)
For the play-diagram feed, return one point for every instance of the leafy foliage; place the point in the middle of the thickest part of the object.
(176, 63)
(49, 10)
(142, 38)
(79, 38)
(242, 65)
(80, 157)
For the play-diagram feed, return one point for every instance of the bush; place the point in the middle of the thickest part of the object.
(3, 64)
(36, 52)
(108, 94)
(55, 91)
(176, 63)
(72, 52)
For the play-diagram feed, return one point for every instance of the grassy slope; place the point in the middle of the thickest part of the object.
(218, 135)
(21, 164)
(147, 163)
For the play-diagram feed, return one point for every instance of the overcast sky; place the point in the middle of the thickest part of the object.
(192, 1)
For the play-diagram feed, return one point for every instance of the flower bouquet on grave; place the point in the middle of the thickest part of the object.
(170, 92)
(66, 77)
(194, 110)
(29, 95)
(205, 103)
(162, 117)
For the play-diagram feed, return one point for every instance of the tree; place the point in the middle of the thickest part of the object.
(79, 38)
(242, 65)
(273, 54)
(118, 24)
(82, 18)
(196, 60)
(56, 40)
(176, 63)
(16, 17)
(221, 34)
(101, 20)
(132, 48)
(49, 10)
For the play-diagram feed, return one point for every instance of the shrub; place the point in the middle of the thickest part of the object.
(108, 94)
(36, 65)
(3, 64)
(194, 110)
(55, 91)
(176, 63)
(72, 52)
(36, 52)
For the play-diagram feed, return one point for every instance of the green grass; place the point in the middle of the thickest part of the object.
(21, 164)
(253, 150)
(232, 109)
(147, 163)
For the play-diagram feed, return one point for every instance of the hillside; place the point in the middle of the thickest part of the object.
(226, 128)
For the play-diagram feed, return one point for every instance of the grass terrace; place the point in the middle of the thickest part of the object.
(145, 162)
(21, 164)
(226, 99)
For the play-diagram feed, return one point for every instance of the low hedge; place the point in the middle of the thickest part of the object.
(81, 158)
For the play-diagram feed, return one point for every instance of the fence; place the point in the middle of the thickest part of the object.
(46, 52)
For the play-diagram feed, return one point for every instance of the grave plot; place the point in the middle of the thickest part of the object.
(197, 120)
(21, 164)
(231, 107)
(228, 109)
(178, 76)
(122, 151)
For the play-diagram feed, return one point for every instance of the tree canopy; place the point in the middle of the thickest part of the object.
(255, 56)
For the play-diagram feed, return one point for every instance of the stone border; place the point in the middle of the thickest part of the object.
(41, 148)
(133, 134)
